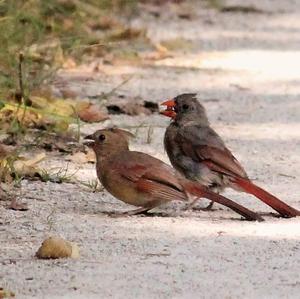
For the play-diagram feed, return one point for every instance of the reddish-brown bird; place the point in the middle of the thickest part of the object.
(200, 154)
(142, 180)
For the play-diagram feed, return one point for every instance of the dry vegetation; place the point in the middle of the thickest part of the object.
(38, 38)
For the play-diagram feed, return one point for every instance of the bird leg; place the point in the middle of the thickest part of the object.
(138, 211)
(191, 205)
(141, 210)
(192, 200)
(215, 188)
(208, 208)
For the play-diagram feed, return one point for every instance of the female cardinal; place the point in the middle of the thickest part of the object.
(200, 154)
(142, 180)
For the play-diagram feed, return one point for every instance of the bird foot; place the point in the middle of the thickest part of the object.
(191, 206)
(208, 208)
(140, 211)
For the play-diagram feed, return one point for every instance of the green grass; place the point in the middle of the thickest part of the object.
(46, 32)
(57, 175)
(42, 34)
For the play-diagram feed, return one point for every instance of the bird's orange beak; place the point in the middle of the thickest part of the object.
(169, 112)
(169, 103)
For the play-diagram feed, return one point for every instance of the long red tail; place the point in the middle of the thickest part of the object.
(201, 191)
(281, 207)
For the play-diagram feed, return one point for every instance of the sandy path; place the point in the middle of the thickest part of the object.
(246, 71)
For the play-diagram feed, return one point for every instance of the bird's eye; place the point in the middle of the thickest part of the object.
(102, 137)
(185, 107)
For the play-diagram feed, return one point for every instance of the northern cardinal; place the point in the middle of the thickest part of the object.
(142, 180)
(200, 154)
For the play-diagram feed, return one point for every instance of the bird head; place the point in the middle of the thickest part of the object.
(184, 107)
(108, 141)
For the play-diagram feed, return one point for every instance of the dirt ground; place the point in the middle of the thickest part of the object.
(245, 69)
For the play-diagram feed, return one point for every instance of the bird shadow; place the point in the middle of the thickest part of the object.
(143, 214)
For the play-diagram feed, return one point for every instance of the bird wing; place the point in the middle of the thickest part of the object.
(204, 145)
(160, 191)
(152, 176)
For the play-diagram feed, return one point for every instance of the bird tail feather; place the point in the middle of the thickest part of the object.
(201, 191)
(281, 207)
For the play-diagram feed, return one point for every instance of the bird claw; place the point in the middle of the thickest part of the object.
(191, 206)
(208, 208)
(138, 212)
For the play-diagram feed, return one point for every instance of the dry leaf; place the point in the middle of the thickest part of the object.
(90, 113)
(61, 107)
(130, 106)
(28, 167)
(6, 293)
(81, 158)
(43, 112)
(12, 112)
(56, 247)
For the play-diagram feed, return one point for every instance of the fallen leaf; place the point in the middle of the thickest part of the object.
(89, 112)
(55, 113)
(28, 167)
(56, 247)
(81, 158)
(11, 113)
(42, 113)
(6, 293)
(131, 106)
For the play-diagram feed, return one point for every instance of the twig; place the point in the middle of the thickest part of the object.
(287, 175)
(105, 95)
(77, 122)
(21, 86)
(20, 75)
(149, 134)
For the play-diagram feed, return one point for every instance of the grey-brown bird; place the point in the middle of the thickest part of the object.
(200, 154)
(141, 180)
